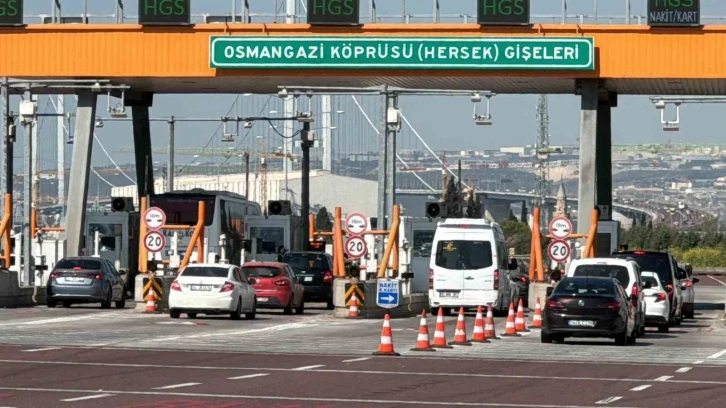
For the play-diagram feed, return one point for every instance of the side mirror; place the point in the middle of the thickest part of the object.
(696, 280)
(251, 281)
(647, 285)
(549, 291)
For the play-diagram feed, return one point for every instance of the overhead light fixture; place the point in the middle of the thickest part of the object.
(119, 113)
(476, 98)
(660, 105)
(96, 87)
(282, 94)
(305, 117)
(248, 124)
(486, 118)
(99, 123)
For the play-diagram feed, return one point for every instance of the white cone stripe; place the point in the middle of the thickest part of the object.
(385, 340)
(386, 323)
(536, 317)
(423, 322)
(478, 329)
(439, 334)
(422, 337)
(459, 333)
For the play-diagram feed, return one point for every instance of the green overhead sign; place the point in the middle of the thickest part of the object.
(393, 53)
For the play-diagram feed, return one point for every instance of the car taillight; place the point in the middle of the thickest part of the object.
(634, 293)
(77, 268)
(327, 277)
(669, 288)
(175, 286)
(689, 284)
(228, 287)
(614, 306)
(431, 278)
(524, 279)
(54, 275)
(94, 276)
(660, 297)
(496, 279)
(282, 282)
(554, 304)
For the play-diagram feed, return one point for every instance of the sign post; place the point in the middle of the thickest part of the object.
(559, 250)
(387, 294)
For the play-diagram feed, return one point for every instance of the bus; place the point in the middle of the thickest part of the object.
(225, 214)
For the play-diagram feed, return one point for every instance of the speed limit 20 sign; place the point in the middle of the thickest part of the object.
(559, 250)
(355, 247)
(154, 241)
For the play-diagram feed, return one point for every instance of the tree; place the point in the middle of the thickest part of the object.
(512, 217)
(470, 206)
(452, 200)
(478, 208)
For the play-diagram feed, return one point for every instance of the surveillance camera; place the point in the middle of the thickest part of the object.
(248, 124)
(476, 98)
(660, 105)
(282, 94)
(96, 87)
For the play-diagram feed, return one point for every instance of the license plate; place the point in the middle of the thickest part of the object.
(75, 279)
(308, 279)
(200, 287)
(581, 323)
(262, 299)
(449, 294)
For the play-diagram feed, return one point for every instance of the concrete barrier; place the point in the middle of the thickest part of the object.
(161, 306)
(537, 290)
(12, 295)
(409, 305)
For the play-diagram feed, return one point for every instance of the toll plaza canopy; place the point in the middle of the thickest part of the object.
(257, 58)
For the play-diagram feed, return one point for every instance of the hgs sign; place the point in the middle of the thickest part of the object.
(333, 12)
(503, 12)
(11, 12)
(164, 11)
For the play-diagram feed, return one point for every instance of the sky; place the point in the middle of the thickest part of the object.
(635, 120)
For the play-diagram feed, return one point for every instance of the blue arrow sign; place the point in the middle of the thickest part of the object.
(387, 294)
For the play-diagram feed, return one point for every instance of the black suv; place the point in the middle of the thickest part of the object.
(666, 267)
(315, 272)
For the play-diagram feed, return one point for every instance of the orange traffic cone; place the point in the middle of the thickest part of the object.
(478, 335)
(537, 318)
(440, 332)
(460, 333)
(490, 332)
(151, 301)
(509, 329)
(519, 323)
(386, 346)
(353, 311)
(422, 342)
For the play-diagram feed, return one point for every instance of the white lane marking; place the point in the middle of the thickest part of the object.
(664, 378)
(698, 362)
(308, 367)
(356, 359)
(279, 327)
(88, 397)
(242, 377)
(717, 355)
(298, 399)
(683, 369)
(169, 387)
(361, 372)
(41, 349)
(608, 400)
(719, 281)
(641, 387)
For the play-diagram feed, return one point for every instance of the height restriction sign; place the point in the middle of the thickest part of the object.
(560, 228)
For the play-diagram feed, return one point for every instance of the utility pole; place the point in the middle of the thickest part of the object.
(6, 152)
(247, 175)
(170, 161)
(61, 154)
(27, 236)
(543, 144)
(305, 144)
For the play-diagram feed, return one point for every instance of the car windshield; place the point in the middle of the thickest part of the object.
(652, 279)
(569, 287)
(464, 255)
(205, 272)
(605, 271)
(78, 264)
(658, 263)
(305, 262)
(262, 271)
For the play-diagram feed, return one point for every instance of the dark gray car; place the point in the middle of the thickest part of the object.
(85, 280)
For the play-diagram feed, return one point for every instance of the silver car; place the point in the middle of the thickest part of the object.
(85, 280)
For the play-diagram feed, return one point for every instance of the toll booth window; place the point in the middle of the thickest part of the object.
(422, 243)
(107, 234)
(272, 238)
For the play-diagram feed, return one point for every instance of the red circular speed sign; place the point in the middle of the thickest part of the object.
(355, 247)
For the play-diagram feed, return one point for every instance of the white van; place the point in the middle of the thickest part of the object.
(467, 256)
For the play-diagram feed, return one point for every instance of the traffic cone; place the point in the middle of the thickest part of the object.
(386, 346)
(353, 311)
(422, 342)
(151, 301)
(478, 335)
(509, 329)
(490, 332)
(537, 318)
(440, 332)
(519, 323)
(460, 333)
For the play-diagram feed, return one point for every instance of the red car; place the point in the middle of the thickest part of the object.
(276, 286)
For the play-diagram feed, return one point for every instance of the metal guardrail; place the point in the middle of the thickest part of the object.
(241, 12)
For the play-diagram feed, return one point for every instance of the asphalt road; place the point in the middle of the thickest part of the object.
(86, 357)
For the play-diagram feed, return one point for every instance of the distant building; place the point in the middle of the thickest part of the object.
(561, 203)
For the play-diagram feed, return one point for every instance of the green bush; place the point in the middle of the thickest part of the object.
(702, 257)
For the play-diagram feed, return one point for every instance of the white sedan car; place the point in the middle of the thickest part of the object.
(658, 306)
(212, 289)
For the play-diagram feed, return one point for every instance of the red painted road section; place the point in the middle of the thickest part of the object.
(378, 382)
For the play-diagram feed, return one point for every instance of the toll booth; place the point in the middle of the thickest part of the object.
(114, 236)
(267, 233)
(608, 238)
(415, 243)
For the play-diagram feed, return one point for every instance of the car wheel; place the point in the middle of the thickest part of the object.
(558, 338)
(237, 314)
(251, 315)
(672, 320)
(174, 313)
(679, 319)
(121, 303)
(691, 315)
(545, 338)
(51, 303)
(288, 307)
(330, 305)
(663, 328)
(641, 328)
(633, 336)
(192, 315)
(107, 303)
(621, 339)
(300, 309)
(66, 304)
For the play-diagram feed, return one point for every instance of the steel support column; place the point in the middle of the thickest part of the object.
(326, 132)
(80, 170)
(170, 160)
(382, 167)
(61, 153)
(391, 161)
(588, 151)
(142, 151)
(603, 158)
(6, 147)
